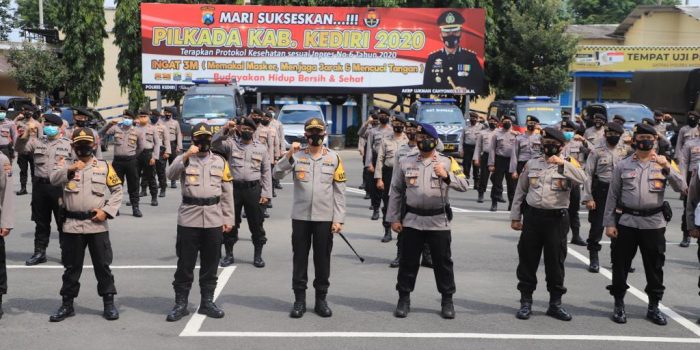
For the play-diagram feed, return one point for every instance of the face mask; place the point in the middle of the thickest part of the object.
(692, 123)
(530, 127)
(506, 126)
(645, 145)
(168, 116)
(265, 122)
(568, 135)
(272, 114)
(50, 130)
(154, 119)
(83, 150)
(257, 120)
(315, 139)
(3, 115)
(472, 121)
(427, 145)
(411, 136)
(612, 140)
(657, 121)
(80, 123)
(127, 122)
(492, 126)
(384, 120)
(619, 122)
(598, 125)
(398, 129)
(451, 41)
(203, 144)
(247, 135)
(551, 149)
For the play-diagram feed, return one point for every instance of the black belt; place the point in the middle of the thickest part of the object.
(201, 201)
(124, 158)
(547, 212)
(642, 212)
(468, 145)
(149, 150)
(8, 146)
(79, 215)
(389, 168)
(426, 212)
(42, 180)
(245, 184)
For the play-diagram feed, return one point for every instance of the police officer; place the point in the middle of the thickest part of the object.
(206, 211)
(363, 133)
(7, 218)
(662, 145)
(636, 216)
(576, 148)
(527, 146)
(386, 159)
(91, 194)
(279, 127)
(470, 135)
(318, 212)
(267, 128)
(81, 118)
(165, 151)
(149, 155)
(502, 143)
(46, 150)
(688, 161)
(422, 182)
(252, 184)
(175, 135)
(128, 144)
(660, 122)
(626, 136)
(691, 207)
(452, 67)
(374, 140)
(25, 160)
(688, 132)
(596, 133)
(599, 171)
(8, 135)
(481, 156)
(542, 199)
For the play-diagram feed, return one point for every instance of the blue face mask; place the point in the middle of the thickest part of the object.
(50, 130)
(127, 122)
(3, 115)
(568, 135)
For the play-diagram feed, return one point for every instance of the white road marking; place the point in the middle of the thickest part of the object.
(122, 267)
(195, 323)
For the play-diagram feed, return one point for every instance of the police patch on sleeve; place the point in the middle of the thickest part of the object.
(112, 178)
(456, 169)
(339, 175)
(574, 162)
(227, 177)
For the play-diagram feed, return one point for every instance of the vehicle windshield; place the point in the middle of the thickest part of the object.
(441, 115)
(632, 114)
(547, 113)
(297, 116)
(208, 106)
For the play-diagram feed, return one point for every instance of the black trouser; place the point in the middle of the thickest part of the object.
(365, 175)
(247, 197)
(543, 230)
(412, 242)
(44, 204)
(73, 254)
(9, 151)
(304, 235)
(3, 268)
(652, 245)
(371, 185)
(126, 167)
(684, 224)
(161, 164)
(387, 173)
(26, 166)
(193, 241)
(467, 162)
(147, 171)
(595, 217)
(502, 165)
(485, 174)
(574, 206)
(520, 166)
(173, 150)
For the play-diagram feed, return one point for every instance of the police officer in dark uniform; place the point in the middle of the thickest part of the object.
(452, 67)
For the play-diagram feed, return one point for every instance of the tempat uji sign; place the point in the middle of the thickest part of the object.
(314, 49)
(634, 58)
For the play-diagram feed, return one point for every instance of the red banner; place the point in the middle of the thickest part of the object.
(314, 49)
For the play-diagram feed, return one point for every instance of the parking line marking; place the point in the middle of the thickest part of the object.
(691, 326)
(196, 321)
(118, 267)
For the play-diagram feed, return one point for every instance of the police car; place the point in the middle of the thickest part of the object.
(545, 108)
(210, 101)
(445, 116)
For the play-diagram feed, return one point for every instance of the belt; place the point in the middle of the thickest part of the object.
(124, 158)
(426, 212)
(148, 150)
(42, 180)
(641, 212)
(547, 212)
(245, 184)
(386, 167)
(468, 145)
(79, 215)
(5, 146)
(202, 202)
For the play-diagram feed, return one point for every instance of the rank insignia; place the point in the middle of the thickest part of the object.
(71, 186)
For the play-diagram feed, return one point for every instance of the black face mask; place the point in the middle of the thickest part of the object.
(315, 139)
(472, 121)
(204, 144)
(167, 116)
(530, 128)
(80, 123)
(598, 124)
(384, 120)
(612, 140)
(657, 121)
(692, 123)
(247, 135)
(265, 122)
(398, 129)
(257, 120)
(644, 145)
(451, 41)
(427, 145)
(83, 150)
(506, 126)
(154, 119)
(551, 149)
(492, 126)
(411, 136)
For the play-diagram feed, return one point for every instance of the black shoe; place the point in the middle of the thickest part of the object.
(266, 215)
(594, 266)
(180, 309)
(366, 196)
(685, 243)
(448, 308)
(403, 307)
(143, 193)
(525, 310)
(501, 200)
(298, 310)
(257, 257)
(494, 206)
(63, 312)
(162, 193)
(375, 214)
(361, 187)
(110, 311)
(136, 212)
(154, 201)
(172, 184)
(278, 186)
(39, 257)
(559, 313)
(227, 260)
(128, 203)
(619, 315)
(655, 316)
(118, 213)
(208, 308)
(395, 263)
(576, 240)
(22, 191)
(321, 308)
(481, 198)
(387, 235)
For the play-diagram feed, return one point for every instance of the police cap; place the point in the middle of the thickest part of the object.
(450, 21)
(553, 134)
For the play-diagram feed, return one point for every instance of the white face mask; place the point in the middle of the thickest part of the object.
(3, 115)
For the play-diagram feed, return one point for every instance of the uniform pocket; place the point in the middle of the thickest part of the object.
(629, 178)
(327, 173)
(192, 177)
(560, 183)
(534, 179)
(657, 181)
(216, 176)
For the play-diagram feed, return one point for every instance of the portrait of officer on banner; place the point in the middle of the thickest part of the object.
(453, 67)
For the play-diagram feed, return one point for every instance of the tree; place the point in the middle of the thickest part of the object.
(83, 50)
(608, 11)
(28, 13)
(127, 36)
(534, 52)
(36, 69)
(6, 20)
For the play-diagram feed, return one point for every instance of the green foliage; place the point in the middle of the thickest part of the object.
(28, 13)
(6, 20)
(36, 70)
(608, 11)
(127, 36)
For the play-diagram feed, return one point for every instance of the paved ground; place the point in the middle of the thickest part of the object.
(362, 296)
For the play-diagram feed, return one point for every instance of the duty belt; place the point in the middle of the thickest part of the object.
(6, 146)
(547, 212)
(640, 212)
(80, 215)
(426, 212)
(124, 158)
(202, 202)
(245, 184)
(42, 180)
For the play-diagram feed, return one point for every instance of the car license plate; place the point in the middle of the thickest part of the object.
(449, 147)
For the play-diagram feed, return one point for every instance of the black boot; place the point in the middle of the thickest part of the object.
(39, 257)
(154, 200)
(525, 307)
(299, 307)
(576, 237)
(494, 205)
(448, 307)
(685, 243)
(387, 235)
(321, 307)
(22, 190)
(427, 260)
(594, 266)
(501, 200)
(367, 196)
(257, 256)
(66, 310)
(128, 203)
(207, 306)
(110, 311)
(481, 198)
(555, 310)
(172, 184)
(403, 307)
(396, 262)
(162, 192)
(143, 192)
(266, 215)
(654, 314)
(136, 211)
(375, 214)
(619, 315)
(180, 309)
(227, 260)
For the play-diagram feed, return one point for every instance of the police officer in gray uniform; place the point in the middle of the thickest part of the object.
(541, 200)
(576, 148)
(374, 140)
(166, 151)
(481, 156)
(149, 155)
(318, 212)
(47, 150)
(636, 216)
(91, 194)
(25, 160)
(691, 207)
(175, 135)
(386, 158)
(419, 209)
(527, 146)
(252, 184)
(596, 133)
(205, 213)
(8, 135)
(688, 160)
(81, 117)
(467, 148)
(502, 143)
(7, 218)
(688, 132)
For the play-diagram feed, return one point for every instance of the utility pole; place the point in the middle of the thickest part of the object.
(41, 14)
